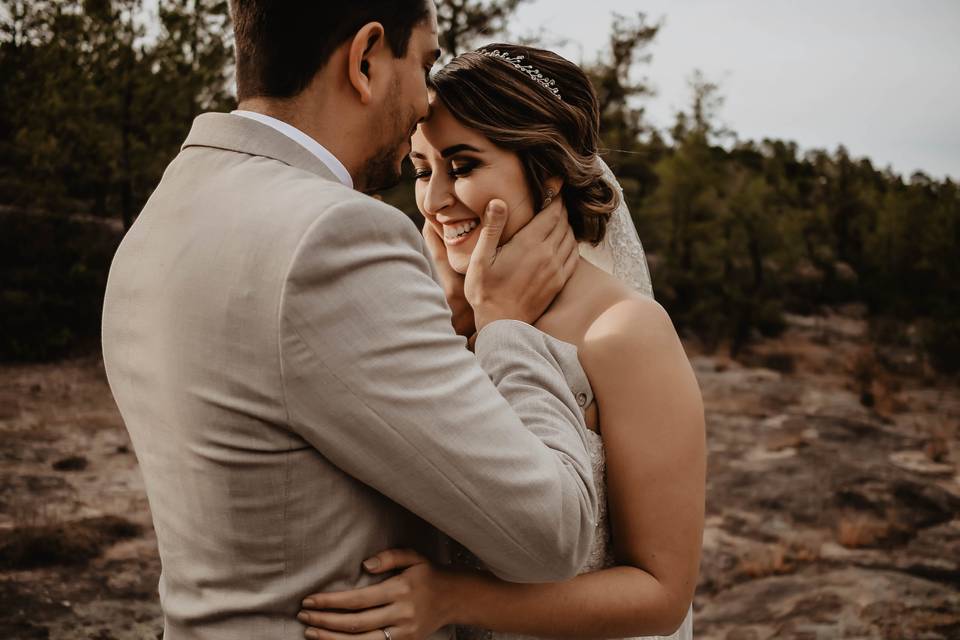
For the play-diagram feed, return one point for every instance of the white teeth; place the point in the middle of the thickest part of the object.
(451, 232)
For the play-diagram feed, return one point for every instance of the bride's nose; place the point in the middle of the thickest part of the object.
(439, 194)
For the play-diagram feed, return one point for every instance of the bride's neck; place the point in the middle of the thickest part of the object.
(574, 287)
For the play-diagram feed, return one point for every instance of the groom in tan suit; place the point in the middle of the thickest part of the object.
(281, 349)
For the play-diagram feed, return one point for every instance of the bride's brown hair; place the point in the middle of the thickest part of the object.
(552, 136)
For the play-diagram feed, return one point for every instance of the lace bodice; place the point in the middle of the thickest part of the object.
(601, 554)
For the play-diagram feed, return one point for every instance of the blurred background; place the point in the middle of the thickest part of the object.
(792, 171)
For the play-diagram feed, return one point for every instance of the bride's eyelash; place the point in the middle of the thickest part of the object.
(464, 169)
(456, 171)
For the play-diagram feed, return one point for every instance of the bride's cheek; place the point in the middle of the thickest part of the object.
(470, 194)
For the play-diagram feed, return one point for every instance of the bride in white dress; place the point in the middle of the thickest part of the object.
(521, 124)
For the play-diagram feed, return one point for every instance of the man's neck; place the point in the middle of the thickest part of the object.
(325, 130)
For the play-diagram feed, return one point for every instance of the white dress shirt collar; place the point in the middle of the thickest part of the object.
(303, 140)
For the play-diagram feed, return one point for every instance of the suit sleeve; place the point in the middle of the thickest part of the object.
(378, 382)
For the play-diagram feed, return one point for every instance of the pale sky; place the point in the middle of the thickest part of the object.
(881, 77)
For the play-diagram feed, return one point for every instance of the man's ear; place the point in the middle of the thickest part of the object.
(367, 42)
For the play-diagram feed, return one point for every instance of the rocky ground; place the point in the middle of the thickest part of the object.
(834, 495)
(833, 501)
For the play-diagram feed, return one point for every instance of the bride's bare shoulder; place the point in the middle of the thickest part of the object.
(595, 302)
(625, 320)
(633, 320)
(614, 303)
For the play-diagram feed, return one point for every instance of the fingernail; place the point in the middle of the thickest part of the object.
(309, 603)
(313, 635)
(371, 564)
(495, 207)
(302, 616)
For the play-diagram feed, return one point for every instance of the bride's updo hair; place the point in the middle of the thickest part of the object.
(552, 136)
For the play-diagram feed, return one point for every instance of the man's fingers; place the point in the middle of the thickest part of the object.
(495, 218)
(433, 240)
(560, 228)
(393, 559)
(552, 218)
(545, 228)
(571, 252)
(568, 245)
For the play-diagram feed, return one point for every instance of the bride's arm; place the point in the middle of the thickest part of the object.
(651, 414)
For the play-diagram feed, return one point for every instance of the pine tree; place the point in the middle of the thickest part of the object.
(465, 22)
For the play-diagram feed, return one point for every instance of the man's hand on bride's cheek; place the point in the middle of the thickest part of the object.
(463, 322)
(520, 279)
(411, 605)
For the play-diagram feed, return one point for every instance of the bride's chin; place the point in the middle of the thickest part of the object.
(459, 263)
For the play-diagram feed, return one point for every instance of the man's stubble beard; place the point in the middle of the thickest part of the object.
(381, 172)
(382, 169)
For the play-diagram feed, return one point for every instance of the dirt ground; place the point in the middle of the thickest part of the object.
(833, 506)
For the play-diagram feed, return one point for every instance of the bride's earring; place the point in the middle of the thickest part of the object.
(548, 199)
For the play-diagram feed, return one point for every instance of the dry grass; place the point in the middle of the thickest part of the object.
(775, 560)
(877, 388)
(856, 531)
(68, 543)
(942, 434)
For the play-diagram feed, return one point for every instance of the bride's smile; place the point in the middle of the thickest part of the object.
(457, 231)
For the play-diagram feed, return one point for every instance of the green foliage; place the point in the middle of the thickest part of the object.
(463, 22)
(52, 273)
(91, 112)
(622, 126)
(941, 338)
(746, 233)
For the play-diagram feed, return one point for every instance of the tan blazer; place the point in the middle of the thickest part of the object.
(283, 359)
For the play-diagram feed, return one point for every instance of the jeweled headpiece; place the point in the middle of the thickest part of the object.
(517, 63)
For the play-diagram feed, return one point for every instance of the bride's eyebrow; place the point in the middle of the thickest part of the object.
(416, 155)
(457, 148)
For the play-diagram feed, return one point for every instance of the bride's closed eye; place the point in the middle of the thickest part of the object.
(463, 167)
(459, 168)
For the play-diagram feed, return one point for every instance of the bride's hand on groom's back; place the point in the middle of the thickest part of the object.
(410, 605)
(519, 280)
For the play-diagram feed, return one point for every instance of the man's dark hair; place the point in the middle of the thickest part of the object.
(281, 44)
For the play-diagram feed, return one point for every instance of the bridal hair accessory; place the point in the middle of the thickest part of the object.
(516, 62)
